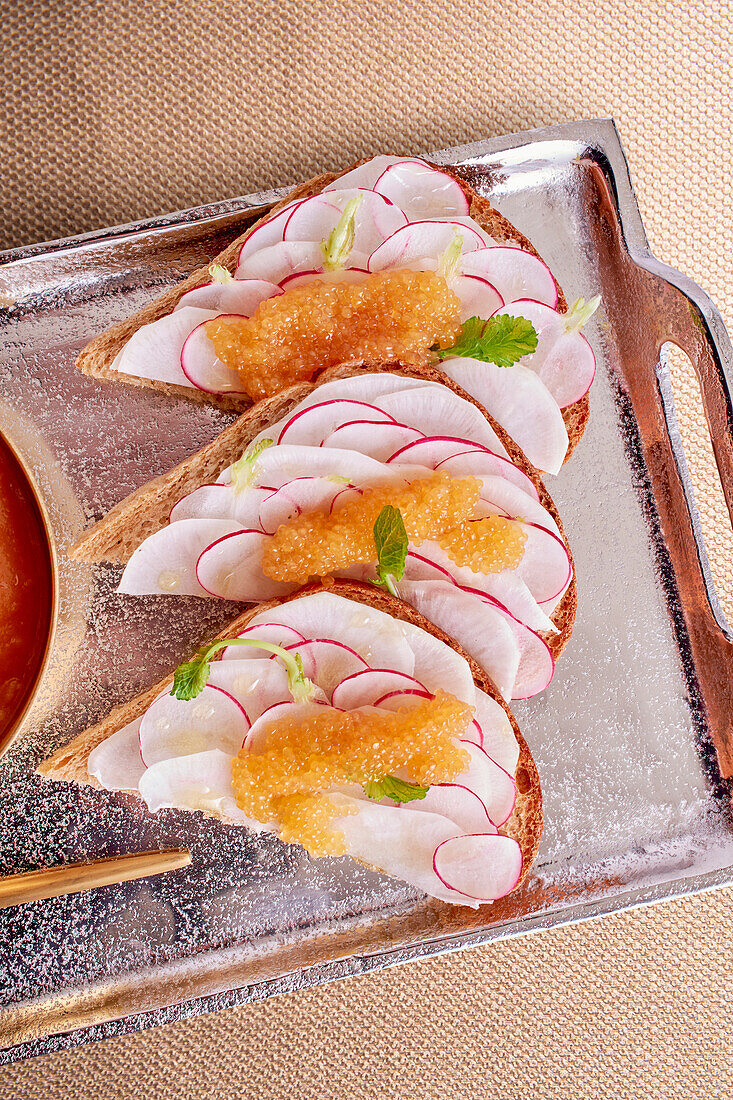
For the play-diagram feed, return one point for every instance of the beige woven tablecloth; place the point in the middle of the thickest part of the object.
(112, 111)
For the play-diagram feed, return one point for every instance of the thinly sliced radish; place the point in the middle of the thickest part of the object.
(422, 191)
(375, 218)
(521, 402)
(166, 561)
(154, 351)
(199, 782)
(304, 494)
(460, 457)
(437, 411)
(499, 741)
(399, 843)
(401, 697)
(116, 762)
(241, 296)
(458, 803)
(545, 564)
(514, 272)
(276, 633)
(484, 866)
(177, 727)
(504, 496)
(279, 465)
(342, 275)
(221, 502)
(270, 232)
(364, 687)
(331, 661)
(203, 368)
(255, 684)
(478, 627)
(564, 359)
(297, 712)
(377, 438)
(437, 665)
(430, 237)
(364, 175)
(275, 263)
(380, 639)
(231, 568)
(478, 297)
(310, 425)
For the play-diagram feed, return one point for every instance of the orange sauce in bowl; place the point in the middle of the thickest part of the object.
(26, 591)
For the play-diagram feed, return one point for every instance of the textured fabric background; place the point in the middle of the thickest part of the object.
(110, 111)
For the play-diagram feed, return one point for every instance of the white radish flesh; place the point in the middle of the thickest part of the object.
(437, 411)
(422, 191)
(268, 233)
(202, 367)
(309, 425)
(154, 351)
(256, 684)
(279, 465)
(231, 568)
(304, 494)
(364, 175)
(276, 263)
(460, 457)
(342, 275)
(374, 220)
(498, 741)
(458, 803)
(487, 867)
(221, 502)
(514, 272)
(116, 762)
(363, 688)
(430, 237)
(378, 439)
(330, 661)
(240, 296)
(278, 712)
(199, 782)
(165, 563)
(181, 727)
(478, 297)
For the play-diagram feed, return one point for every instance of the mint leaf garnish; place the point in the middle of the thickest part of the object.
(244, 470)
(503, 340)
(337, 246)
(190, 678)
(390, 540)
(397, 789)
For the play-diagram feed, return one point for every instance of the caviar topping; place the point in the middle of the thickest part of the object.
(390, 316)
(301, 760)
(486, 545)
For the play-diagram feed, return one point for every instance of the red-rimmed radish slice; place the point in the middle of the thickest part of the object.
(277, 466)
(422, 191)
(399, 843)
(240, 296)
(377, 438)
(342, 275)
(460, 457)
(437, 411)
(477, 626)
(304, 494)
(330, 661)
(231, 568)
(202, 367)
(269, 232)
(483, 866)
(378, 638)
(310, 425)
(437, 665)
(199, 782)
(177, 727)
(521, 402)
(275, 263)
(116, 762)
(499, 741)
(545, 564)
(408, 696)
(255, 684)
(364, 175)
(363, 688)
(154, 351)
(165, 563)
(430, 237)
(297, 712)
(564, 359)
(458, 803)
(478, 297)
(375, 218)
(218, 501)
(277, 633)
(514, 272)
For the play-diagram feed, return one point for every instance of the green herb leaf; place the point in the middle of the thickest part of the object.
(503, 340)
(397, 789)
(190, 678)
(337, 246)
(244, 470)
(390, 540)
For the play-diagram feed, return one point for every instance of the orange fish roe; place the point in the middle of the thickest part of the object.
(392, 315)
(301, 760)
(486, 545)
(315, 543)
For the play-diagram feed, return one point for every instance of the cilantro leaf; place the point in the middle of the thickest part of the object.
(190, 678)
(390, 539)
(503, 340)
(399, 790)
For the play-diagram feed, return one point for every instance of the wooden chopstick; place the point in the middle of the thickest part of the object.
(73, 877)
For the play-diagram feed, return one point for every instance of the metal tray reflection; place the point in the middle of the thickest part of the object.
(632, 738)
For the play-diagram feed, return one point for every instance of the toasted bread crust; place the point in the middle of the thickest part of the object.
(69, 764)
(146, 510)
(97, 356)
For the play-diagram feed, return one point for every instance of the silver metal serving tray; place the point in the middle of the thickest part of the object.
(625, 737)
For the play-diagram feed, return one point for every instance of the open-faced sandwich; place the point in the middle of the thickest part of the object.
(393, 261)
(342, 720)
(294, 489)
